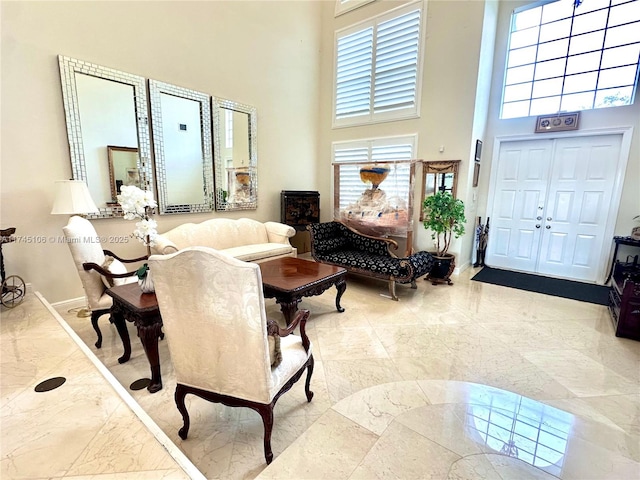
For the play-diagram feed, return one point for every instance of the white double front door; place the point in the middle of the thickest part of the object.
(552, 199)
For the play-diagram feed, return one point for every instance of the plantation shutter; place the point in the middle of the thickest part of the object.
(396, 71)
(397, 183)
(377, 69)
(353, 81)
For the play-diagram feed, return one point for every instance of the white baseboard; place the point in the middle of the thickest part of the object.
(70, 303)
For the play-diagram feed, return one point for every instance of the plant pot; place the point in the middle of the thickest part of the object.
(442, 269)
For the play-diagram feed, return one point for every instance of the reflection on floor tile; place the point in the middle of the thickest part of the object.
(470, 381)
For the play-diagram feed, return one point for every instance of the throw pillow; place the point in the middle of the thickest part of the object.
(113, 265)
(275, 354)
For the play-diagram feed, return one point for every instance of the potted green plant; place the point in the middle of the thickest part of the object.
(444, 217)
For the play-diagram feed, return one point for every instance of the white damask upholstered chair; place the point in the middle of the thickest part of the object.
(98, 269)
(221, 343)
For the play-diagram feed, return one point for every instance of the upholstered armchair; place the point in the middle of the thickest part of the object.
(98, 269)
(222, 346)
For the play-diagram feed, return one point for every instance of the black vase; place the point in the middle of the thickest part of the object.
(442, 269)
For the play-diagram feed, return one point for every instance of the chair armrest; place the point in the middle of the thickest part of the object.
(279, 232)
(123, 260)
(94, 266)
(164, 246)
(301, 318)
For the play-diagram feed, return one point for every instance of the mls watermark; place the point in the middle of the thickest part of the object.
(41, 239)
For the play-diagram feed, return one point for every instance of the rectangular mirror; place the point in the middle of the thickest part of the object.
(104, 107)
(235, 150)
(123, 169)
(181, 123)
(439, 176)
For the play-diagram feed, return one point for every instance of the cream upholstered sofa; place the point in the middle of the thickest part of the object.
(245, 239)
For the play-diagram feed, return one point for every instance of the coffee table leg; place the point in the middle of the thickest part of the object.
(288, 309)
(341, 286)
(149, 339)
(121, 325)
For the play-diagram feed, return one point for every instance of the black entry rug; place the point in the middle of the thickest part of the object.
(584, 292)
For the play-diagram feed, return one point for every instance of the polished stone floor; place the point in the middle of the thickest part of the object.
(470, 381)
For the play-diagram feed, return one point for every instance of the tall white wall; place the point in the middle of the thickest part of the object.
(264, 54)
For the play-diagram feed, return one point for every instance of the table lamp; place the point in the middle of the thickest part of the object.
(73, 198)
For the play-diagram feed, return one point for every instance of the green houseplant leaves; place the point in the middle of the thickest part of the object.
(444, 216)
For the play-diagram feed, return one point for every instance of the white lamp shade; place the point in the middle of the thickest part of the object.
(73, 197)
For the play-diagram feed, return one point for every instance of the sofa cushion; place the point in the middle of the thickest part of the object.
(377, 264)
(249, 253)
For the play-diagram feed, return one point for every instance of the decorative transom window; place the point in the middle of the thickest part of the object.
(567, 55)
(354, 154)
(377, 66)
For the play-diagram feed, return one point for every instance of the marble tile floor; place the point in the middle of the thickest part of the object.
(470, 381)
(83, 429)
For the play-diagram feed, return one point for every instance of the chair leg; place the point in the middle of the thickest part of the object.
(95, 315)
(266, 412)
(181, 392)
(308, 392)
(392, 289)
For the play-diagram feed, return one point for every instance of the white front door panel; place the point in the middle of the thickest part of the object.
(552, 197)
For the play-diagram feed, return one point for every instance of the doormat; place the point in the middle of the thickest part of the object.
(584, 292)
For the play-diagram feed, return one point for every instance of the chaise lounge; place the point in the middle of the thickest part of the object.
(337, 244)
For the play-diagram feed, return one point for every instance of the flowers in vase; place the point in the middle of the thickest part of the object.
(139, 204)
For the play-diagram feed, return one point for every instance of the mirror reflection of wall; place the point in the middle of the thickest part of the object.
(103, 107)
(123, 169)
(181, 122)
(107, 116)
(235, 133)
(182, 149)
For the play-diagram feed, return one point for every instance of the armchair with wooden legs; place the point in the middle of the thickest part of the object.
(98, 270)
(223, 347)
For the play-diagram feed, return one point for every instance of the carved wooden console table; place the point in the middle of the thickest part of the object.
(130, 304)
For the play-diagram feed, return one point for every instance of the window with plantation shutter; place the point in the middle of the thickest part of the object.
(352, 155)
(377, 65)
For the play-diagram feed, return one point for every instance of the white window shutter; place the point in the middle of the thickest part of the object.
(353, 82)
(396, 70)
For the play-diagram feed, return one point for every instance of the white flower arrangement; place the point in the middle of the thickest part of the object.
(139, 204)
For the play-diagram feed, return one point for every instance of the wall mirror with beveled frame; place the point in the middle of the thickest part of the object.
(439, 176)
(104, 107)
(181, 125)
(235, 134)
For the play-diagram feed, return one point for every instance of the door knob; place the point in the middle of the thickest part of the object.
(548, 227)
(538, 226)
(538, 218)
(549, 218)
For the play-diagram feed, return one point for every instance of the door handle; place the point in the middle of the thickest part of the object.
(548, 227)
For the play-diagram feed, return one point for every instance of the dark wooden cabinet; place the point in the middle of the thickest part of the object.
(299, 208)
(624, 300)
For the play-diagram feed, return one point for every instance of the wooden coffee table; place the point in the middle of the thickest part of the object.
(129, 303)
(289, 279)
